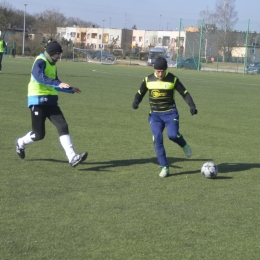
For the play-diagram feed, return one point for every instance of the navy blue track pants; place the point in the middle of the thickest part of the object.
(158, 121)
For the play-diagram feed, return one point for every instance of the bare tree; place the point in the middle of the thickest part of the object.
(226, 18)
(72, 21)
(226, 14)
(6, 17)
(209, 27)
(48, 21)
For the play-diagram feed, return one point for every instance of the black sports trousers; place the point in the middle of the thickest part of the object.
(39, 114)
(1, 57)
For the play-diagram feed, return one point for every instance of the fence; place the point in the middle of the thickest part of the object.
(210, 46)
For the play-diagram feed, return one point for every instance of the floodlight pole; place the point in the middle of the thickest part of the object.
(246, 47)
(254, 47)
(24, 28)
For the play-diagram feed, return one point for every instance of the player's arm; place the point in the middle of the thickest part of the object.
(39, 76)
(187, 97)
(139, 95)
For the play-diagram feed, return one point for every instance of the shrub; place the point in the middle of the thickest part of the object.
(38, 50)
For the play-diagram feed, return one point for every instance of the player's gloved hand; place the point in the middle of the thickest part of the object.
(193, 111)
(135, 104)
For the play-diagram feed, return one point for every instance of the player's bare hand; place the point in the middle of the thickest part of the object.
(76, 90)
(64, 85)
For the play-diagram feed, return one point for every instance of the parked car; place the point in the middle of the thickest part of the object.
(187, 63)
(155, 53)
(255, 69)
(105, 55)
(179, 60)
(253, 63)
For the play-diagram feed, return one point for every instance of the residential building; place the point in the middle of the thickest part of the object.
(186, 43)
(138, 39)
(252, 53)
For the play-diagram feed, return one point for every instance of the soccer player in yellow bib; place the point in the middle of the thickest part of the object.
(161, 86)
(2, 50)
(43, 103)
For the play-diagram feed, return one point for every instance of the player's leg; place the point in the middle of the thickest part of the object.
(157, 127)
(1, 57)
(57, 118)
(38, 117)
(172, 125)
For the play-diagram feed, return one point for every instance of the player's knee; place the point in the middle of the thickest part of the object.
(173, 137)
(38, 137)
(63, 129)
(157, 139)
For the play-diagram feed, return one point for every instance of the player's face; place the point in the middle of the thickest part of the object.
(56, 57)
(160, 73)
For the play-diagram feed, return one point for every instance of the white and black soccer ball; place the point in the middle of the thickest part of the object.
(209, 170)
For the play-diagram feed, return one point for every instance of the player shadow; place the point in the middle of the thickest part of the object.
(236, 167)
(224, 168)
(108, 165)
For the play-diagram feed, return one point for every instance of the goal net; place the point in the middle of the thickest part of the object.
(88, 55)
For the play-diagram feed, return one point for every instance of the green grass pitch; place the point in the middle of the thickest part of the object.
(114, 205)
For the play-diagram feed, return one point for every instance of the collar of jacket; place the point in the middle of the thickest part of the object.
(164, 75)
(48, 57)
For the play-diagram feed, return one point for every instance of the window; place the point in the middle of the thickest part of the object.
(77, 35)
(99, 36)
(88, 36)
(159, 40)
(140, 39)
(134, 38)
(146, 39)
(252, 51)
(111, 37)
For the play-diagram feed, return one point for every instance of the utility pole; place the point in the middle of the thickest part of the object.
(24, 28)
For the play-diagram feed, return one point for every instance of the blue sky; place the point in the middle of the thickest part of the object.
(145, 14)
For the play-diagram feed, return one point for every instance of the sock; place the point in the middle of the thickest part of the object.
(25, 140)
(67, 146)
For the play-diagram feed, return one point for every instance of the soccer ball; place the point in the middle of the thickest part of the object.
(209, 170)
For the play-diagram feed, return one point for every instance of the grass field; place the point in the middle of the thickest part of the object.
(114, 205)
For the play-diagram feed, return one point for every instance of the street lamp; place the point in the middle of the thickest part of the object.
(160, 22)
(102, 42)
(24, 28)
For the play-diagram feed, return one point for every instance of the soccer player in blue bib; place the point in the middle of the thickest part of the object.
(161, 86)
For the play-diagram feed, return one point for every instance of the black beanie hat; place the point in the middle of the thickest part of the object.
(160, 64)
(53, 48)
